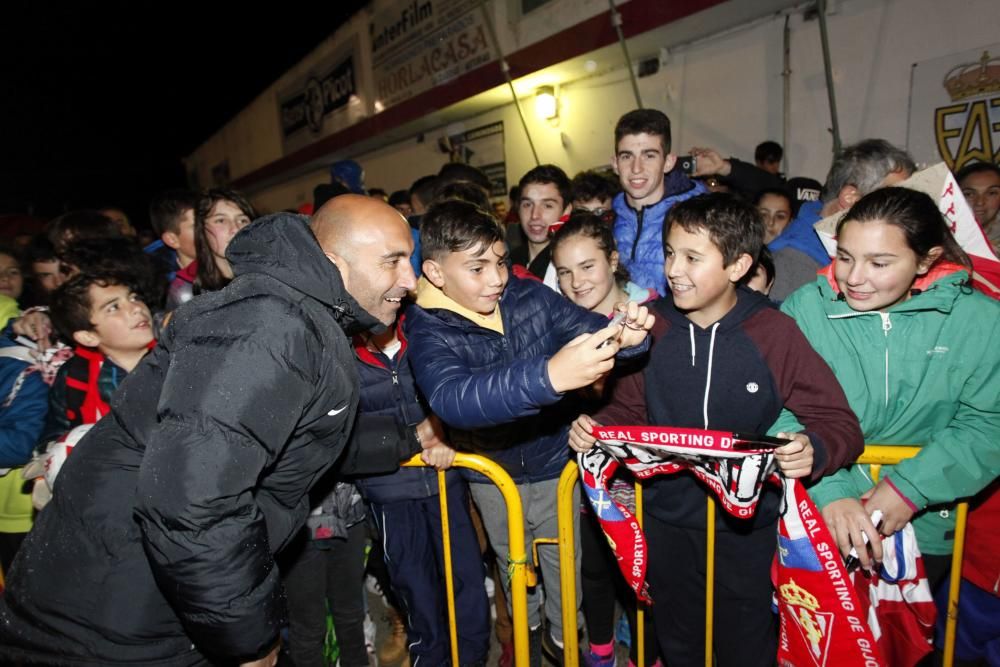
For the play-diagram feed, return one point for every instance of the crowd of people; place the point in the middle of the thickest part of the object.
(201, 436)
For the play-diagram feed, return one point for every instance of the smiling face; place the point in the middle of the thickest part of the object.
(11, 280)
(702, 285)
(875, 267)
(640, 162)
(586, 273)
(776, 212)
(540, 206)
(473, 278)
(121, 321)
(375, 266)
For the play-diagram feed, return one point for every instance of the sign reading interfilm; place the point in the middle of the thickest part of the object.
(419, 44)
(307, 108)
(955, 108)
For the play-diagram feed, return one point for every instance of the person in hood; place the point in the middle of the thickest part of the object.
(915, 348)
(723, 358)
(651, 185)
(158, 546)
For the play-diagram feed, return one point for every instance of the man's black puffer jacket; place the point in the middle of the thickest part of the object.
(158, 545)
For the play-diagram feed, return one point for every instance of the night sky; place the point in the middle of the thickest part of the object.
(100, 101)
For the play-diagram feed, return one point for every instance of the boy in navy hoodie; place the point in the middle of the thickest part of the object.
(723, 358)
(494, 355)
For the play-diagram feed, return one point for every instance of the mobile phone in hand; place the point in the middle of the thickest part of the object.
(617, 320)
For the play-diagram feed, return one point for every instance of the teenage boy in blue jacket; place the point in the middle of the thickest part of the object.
(495, 355)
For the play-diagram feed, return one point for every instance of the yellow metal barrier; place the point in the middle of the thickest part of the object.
(518, 567)
(874, 455)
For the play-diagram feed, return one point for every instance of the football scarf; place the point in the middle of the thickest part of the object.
(821, 618)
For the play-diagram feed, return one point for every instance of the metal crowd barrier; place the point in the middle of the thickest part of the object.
(520, 576)
(874, 455)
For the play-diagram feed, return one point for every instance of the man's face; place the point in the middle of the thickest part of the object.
(982, 191)
(640, 163)
(770, 166)
(49, 274)
(540, 206)
(376, 266)
(121, 321)
(474, 278)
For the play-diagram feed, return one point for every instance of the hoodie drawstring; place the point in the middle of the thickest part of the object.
(691, 331)
(708, 378)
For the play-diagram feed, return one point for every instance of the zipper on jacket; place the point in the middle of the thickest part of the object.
(638, 230)
(395, 378)
(886, 328)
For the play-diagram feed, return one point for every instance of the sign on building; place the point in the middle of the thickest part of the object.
(309, 108)
(955, 108)
(419, 44)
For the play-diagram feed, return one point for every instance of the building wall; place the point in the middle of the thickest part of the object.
(724, 91)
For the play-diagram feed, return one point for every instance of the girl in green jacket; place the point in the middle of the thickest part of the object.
(917, 352)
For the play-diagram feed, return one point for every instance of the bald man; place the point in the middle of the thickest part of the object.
(158, 546)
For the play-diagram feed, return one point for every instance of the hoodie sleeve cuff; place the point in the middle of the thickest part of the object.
(899, 492)
(821, 457)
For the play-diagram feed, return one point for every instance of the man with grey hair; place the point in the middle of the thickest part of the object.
(856, 171)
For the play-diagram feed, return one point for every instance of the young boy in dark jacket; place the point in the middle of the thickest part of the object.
(494, 356)
(723, 358)
(405, 506)
(106, 317)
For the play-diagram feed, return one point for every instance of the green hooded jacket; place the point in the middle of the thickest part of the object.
(925, 372)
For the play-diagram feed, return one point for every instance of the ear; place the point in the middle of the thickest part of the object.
(341, 265)
(933, 255)
(87, 338)
(614, 163)
(668, 165)
(170, 240)
(847, 197)
(614, 260)
(739, 268)
(434, 273)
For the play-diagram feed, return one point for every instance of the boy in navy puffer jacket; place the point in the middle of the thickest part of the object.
(407, 514)
(495, 356)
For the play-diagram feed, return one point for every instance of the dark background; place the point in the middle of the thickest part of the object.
(100, 101)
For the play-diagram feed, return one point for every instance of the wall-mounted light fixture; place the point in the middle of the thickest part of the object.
(546, 104)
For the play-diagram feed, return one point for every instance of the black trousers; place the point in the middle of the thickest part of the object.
(602, 584)
(332, 576)
(745, 629)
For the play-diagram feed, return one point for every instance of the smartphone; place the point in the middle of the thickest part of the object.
(687, 163)
(755, 441)
(617, 320)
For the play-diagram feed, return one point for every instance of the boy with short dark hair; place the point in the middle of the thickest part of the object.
(495, 355)
(651, 185)
(734, 363)
(111, 325)
(171, 214)
(545, 199)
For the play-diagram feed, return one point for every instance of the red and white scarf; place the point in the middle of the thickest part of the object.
(822, 621)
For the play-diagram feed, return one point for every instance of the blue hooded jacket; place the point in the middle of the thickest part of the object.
(639, 233)
(801, 236)
(22, 412)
